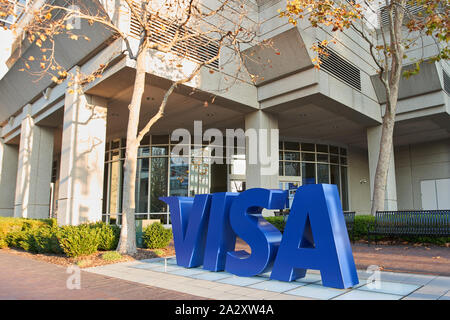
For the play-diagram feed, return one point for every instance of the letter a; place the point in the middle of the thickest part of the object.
(316, 237)
(189, 221)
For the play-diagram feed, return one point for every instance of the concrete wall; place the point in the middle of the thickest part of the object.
(418, 162)
(358, 176)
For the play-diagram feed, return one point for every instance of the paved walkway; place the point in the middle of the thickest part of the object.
(164, 273)
(25, 278)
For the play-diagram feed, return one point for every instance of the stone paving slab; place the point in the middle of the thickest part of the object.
(222, 285)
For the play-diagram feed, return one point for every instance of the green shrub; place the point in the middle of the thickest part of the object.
(44, 240)
(156, 236)
(78, 240)
(277, 222)
(18, 239)
(111, 256)
(3, 243)
(108, 236)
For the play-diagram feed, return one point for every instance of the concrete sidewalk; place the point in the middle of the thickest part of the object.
(24, 278)
(165, 274)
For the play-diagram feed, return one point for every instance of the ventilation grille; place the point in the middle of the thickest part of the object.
(339, 67)
(196, 48)
(383, 13)
(446, 82)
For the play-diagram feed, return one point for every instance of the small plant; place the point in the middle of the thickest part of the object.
(156, 236)
(277, 222)
(83, 263)
(108, 236)
(111, 256)
(78, 240)
(158, 252)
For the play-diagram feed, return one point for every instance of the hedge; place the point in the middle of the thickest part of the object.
(360, 231)
(44, 236)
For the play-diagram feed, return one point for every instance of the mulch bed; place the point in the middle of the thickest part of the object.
(95, 259)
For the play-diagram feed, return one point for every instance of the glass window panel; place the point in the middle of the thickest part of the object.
(179, 177)
(292, 168)
(159, 151)
(322, 173)
(238, 164)
(334, 177)
(122, 153)
(334, 159)
(343, 151)
(162, 217)
(164, 139)
(141, 216)
(158, 184)
(293, 156)
(115, 144)
(280, 145)
(105, 188)
(280, 170)
(280, 155)
(144, 152)
(308, 147)
(291, 146)
(309, 173)
(344, 194)
(122, 172)
(322, 157)
(322, 148)
(308, 156)
(199, 177)
(142, 185)
(115, 155)
(334, 150)
(183, 150)
(343, 160)
(114, 186)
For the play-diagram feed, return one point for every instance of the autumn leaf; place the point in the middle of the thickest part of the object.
(31, 58)
(74, 37)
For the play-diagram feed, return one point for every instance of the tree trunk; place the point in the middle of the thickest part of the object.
(384, 158)
(127, 243)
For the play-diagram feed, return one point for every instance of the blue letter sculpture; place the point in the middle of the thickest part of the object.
(262, 237)
(189, 220)
(221, 237)
(316, 237)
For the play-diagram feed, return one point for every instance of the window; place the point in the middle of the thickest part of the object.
(315, 163)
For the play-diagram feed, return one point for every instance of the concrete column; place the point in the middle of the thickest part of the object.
(34, 169)
(373, 144)
(82, 159)
(262, 148)
(9, 155)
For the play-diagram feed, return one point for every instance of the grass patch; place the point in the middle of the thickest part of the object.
(111, 256)
(158, 252)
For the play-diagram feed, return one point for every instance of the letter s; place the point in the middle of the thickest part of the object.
(248, 223)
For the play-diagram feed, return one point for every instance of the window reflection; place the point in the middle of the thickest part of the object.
(158, 184)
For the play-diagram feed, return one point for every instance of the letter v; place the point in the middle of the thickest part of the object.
(189, 221)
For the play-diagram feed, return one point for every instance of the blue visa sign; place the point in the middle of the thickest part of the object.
(205, 228)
